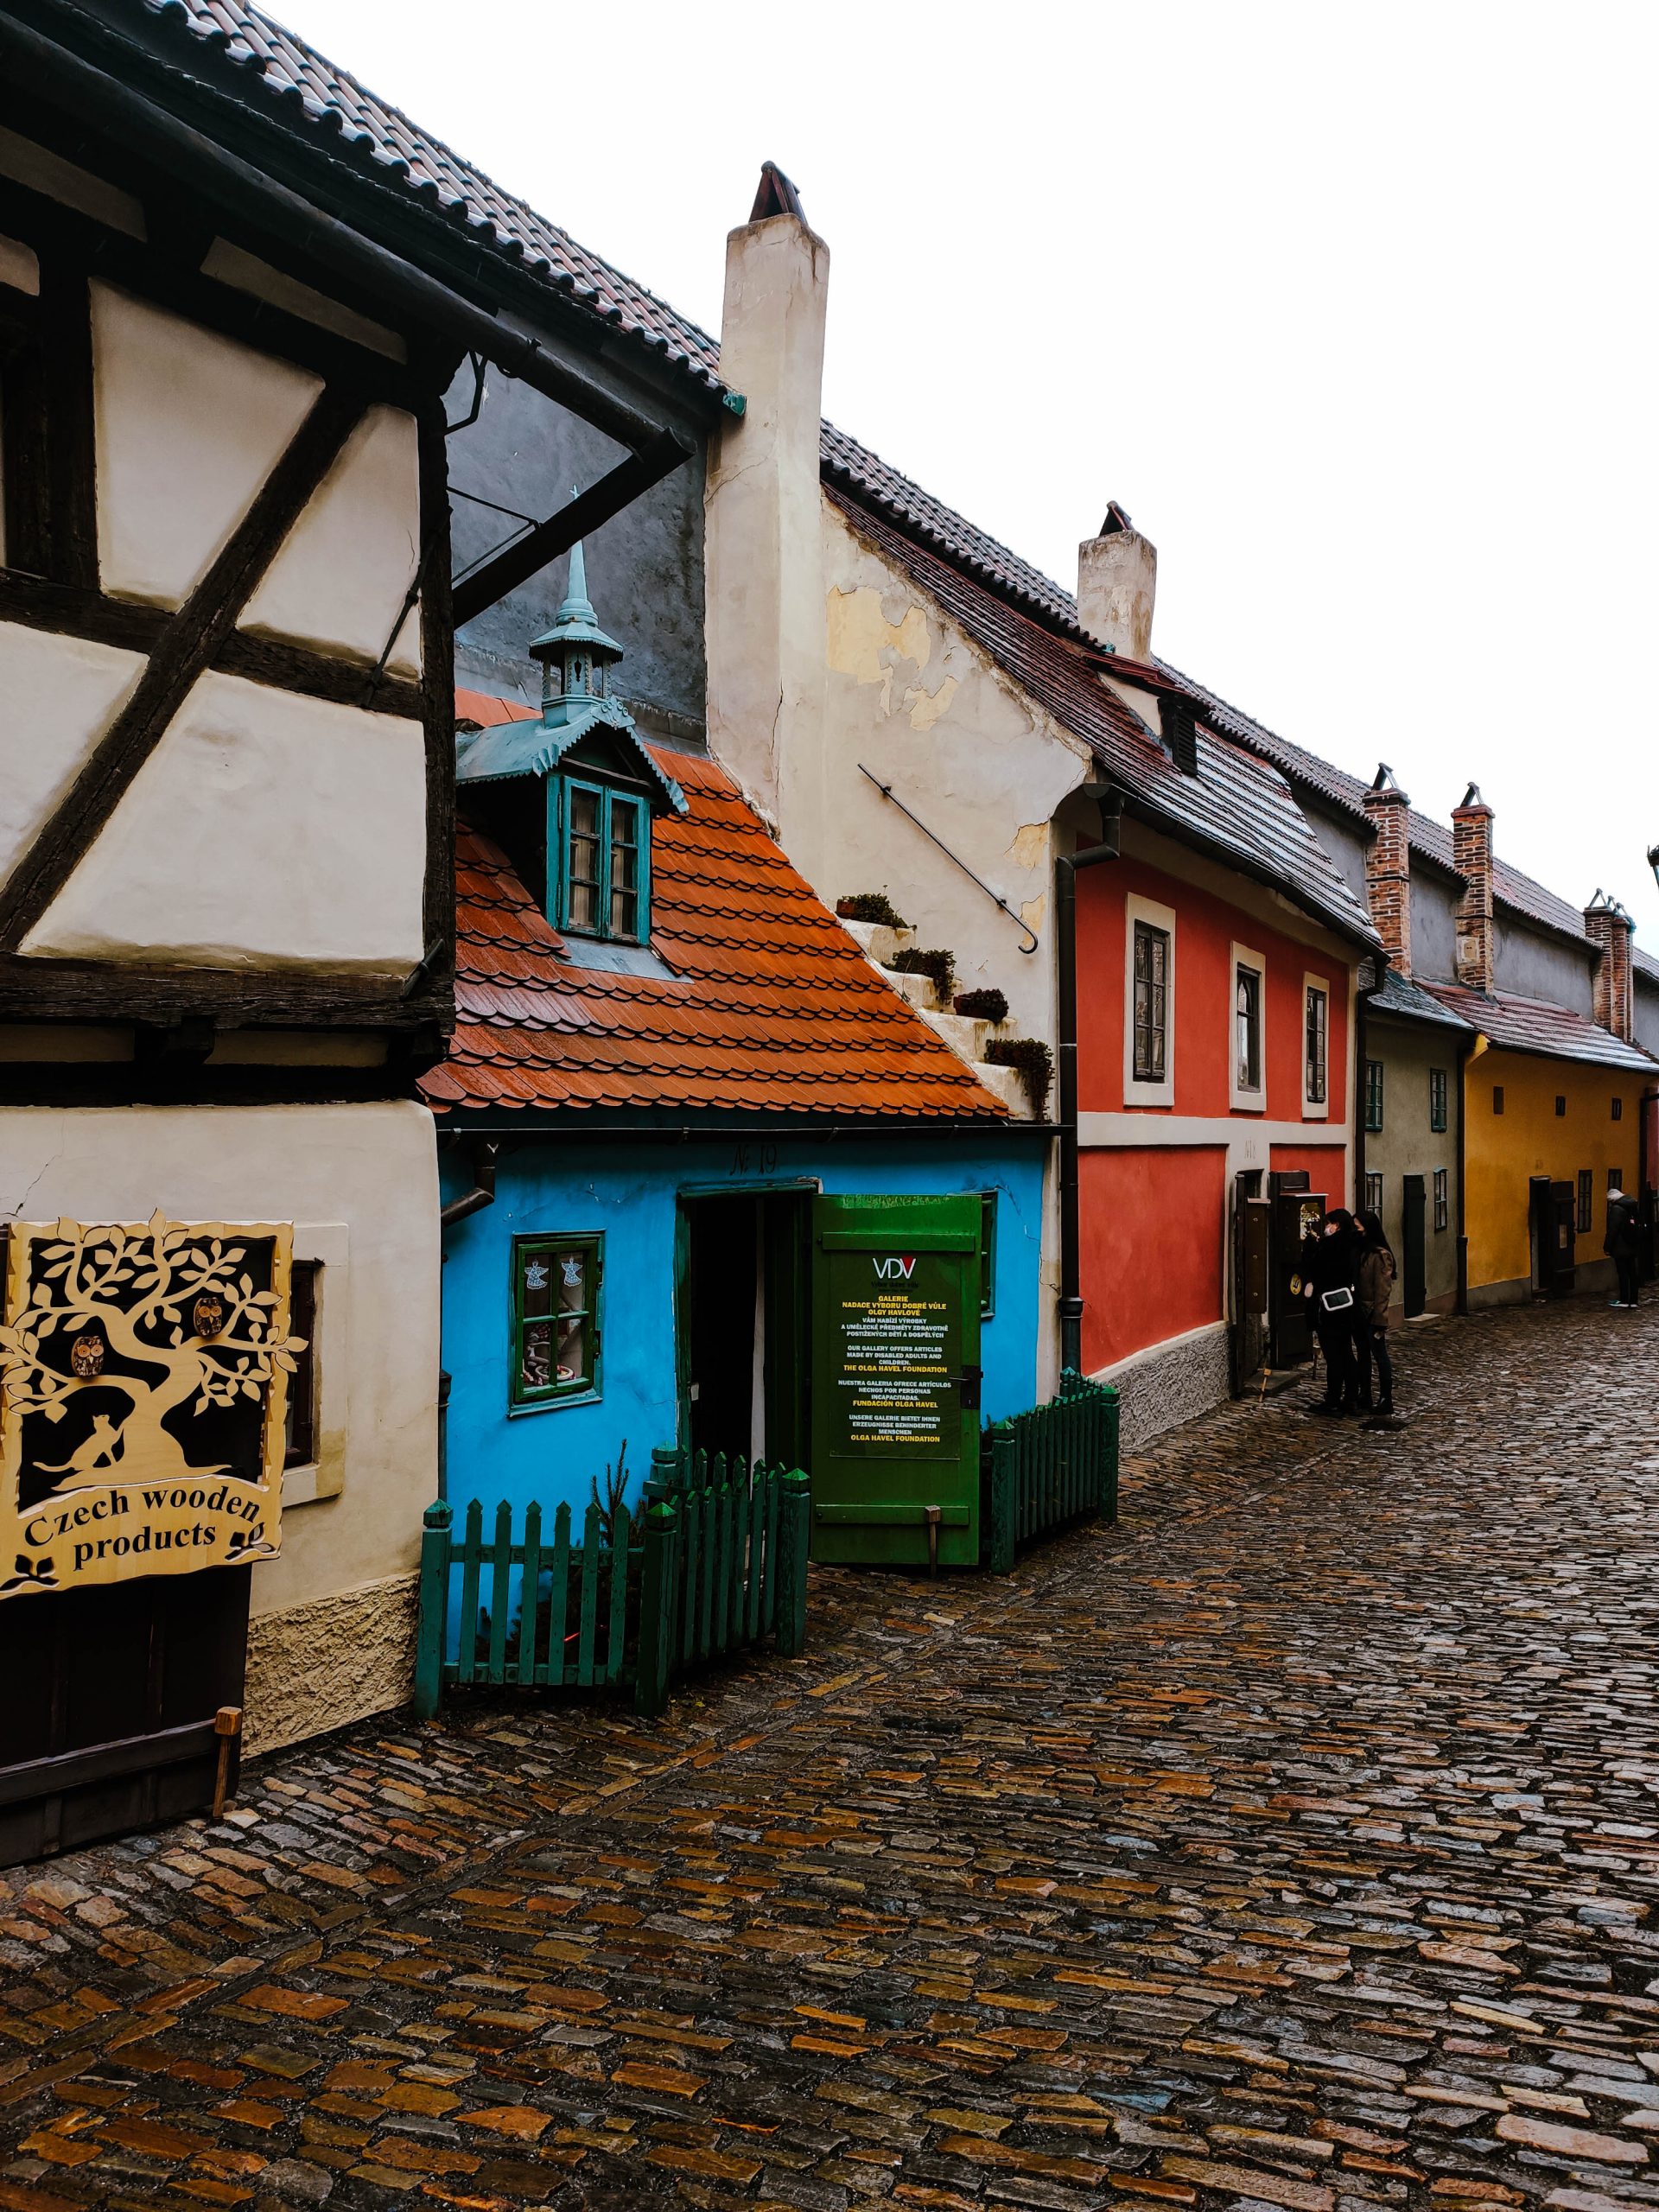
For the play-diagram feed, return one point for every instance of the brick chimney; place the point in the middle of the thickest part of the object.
(1388, 867)
(763, 565)
(1117, 582)
(1471, 853)
(1609, 929)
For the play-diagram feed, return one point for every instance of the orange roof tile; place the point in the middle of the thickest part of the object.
(771, 1007)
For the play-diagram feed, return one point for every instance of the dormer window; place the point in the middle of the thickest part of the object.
(582, 841)
(602, 887)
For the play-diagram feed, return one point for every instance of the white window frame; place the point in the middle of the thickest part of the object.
(1136, 909)
(1245, 1101)
(1317, 1110)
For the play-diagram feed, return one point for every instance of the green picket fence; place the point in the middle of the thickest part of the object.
(1057, 1463)
(717, 1560)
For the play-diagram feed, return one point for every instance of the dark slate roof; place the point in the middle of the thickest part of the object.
(1535, 1026)
(872, 483)
(1646, 964)
(309, 92)
(1238, 805)
(1413, 1003)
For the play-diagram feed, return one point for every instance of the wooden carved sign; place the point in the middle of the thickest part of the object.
(142, 1419)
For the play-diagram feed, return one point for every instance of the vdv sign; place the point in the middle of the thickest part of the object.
(893, 1269)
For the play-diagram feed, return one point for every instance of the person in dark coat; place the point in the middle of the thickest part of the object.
(1623, 1245)
(1330, 1273)
(1374, 1296)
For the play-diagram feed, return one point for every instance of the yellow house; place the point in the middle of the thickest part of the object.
(1552, 1102)
(1552, 1122)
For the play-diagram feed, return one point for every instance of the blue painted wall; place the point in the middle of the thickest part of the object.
(629, 1192)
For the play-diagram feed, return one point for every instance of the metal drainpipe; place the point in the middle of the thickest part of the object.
(1066, 923)
(487, 1152)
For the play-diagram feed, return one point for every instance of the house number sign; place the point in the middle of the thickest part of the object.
(145, 1375)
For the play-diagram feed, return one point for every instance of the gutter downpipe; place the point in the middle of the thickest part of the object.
(487, 1154)
(1467, 1055)
(1066, 923)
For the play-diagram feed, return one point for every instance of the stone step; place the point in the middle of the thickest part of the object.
(1008, 1084)
(962, 1033)
(919, 989)
(879, 943)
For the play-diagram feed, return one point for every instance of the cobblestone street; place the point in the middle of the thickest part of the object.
(1294, 1842)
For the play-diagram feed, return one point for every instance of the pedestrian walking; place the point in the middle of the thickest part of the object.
(1330, 1278)
(1374, 1292)
(1623, 1245)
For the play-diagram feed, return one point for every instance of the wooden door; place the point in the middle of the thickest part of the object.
(895, 1421)
(107, 1722)
(1413, 1249)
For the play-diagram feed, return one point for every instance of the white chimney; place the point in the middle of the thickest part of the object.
(1117, 584)
(765, 624)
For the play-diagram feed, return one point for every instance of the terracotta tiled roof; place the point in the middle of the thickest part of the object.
(1535, 1026)
(1236, 804)
(306, 89)
(771, 1007)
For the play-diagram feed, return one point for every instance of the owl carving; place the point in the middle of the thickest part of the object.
(208, 1316)
(86, 1355)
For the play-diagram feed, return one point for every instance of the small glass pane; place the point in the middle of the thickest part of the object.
(624, 868)
(535, 1357)
(573, 1349)
(581, 863)
(536, 1289)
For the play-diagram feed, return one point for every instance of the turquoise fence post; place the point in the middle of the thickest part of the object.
(656, 1620)
(1109, 1494)
(434, 1594)
(794, 1534)
(999, 1535)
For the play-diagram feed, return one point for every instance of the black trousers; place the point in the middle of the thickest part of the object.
(1372, 1345)
(1335, 1332)
(1630, 1276)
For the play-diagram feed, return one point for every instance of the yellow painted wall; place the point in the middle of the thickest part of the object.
(1528, 1138)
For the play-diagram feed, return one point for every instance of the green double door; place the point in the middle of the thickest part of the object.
(895, 1418)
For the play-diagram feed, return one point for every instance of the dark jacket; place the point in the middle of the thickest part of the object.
(1329, 1263)
(1377, 1272)
(1624, 1237)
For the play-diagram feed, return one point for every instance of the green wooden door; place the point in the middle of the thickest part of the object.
(895, 1379)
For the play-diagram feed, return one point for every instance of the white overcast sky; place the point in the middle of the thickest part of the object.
(1351, 309)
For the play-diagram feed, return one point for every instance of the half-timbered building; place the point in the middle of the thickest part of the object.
(248, 317)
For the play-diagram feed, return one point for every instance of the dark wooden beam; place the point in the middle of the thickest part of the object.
(71, 474)
(103, 991)
(37, 603)
(184, 650)
(582, 516)
(437, 707)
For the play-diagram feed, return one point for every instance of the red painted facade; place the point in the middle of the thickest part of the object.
(1153, 1216)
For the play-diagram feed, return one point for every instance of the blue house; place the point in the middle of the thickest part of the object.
(708, 1178)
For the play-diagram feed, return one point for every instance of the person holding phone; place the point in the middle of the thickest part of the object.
(1330, 1273)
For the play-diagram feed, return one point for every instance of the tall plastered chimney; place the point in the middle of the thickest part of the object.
(764, 622)
(1117, 584)
(1388, 867)
(1609, 929)
(1471, 854)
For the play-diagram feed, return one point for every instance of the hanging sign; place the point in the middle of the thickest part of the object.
(145, 1391)
(896, 1351)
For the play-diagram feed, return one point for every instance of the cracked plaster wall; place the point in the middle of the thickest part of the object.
(910, 697)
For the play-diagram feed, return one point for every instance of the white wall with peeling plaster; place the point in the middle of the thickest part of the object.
(910, 698)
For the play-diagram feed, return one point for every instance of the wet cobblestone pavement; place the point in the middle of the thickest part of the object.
(1296, 1843)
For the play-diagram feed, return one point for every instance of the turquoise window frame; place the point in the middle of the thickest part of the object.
(987, 1253)
(561, 790)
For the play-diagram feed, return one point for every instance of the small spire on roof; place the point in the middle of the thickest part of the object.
(775, 195)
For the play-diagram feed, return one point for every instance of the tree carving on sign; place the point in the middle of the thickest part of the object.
(183, 1308)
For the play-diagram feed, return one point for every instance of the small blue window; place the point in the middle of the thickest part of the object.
(601, 884)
